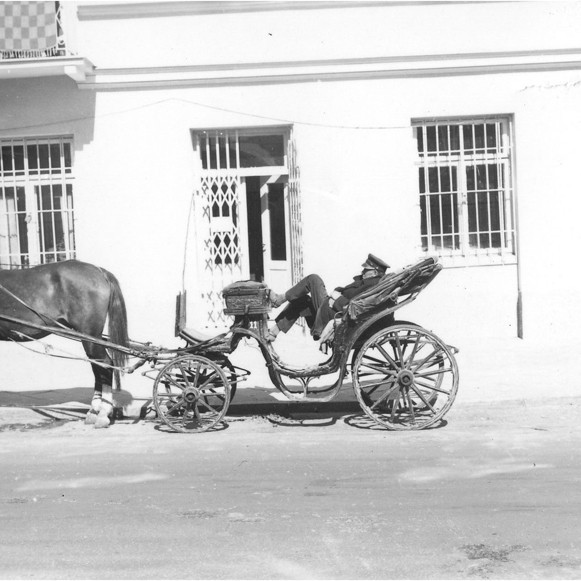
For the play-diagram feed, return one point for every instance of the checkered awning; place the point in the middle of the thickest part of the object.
(28, 27)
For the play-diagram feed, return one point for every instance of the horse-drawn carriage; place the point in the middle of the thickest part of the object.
(404, 376)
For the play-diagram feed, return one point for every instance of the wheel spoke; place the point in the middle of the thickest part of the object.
(387, 356)
(174, 382)
(379, 369)
(376, 384)
(426, 374)
(372, 388)
(184, 374)
(197, 376)
(414, 351)
(168, 395)
(174, 407)
(203, 402)
(432, 387)
(375, 359)
(208, 379)
(385, 396)
(422, 397)
(220, 396)
(429, 357)
(395, 403)
(411, 406)
(398, 348)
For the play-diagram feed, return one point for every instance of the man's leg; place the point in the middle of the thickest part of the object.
(302, 307)
(304, 298)
(312, 285)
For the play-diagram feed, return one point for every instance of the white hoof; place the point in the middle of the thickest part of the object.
(90, 418)
(102, 422)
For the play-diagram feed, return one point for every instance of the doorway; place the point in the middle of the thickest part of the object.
(267, 227)
(248, 217)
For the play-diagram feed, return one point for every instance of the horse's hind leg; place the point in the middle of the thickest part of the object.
(106, 411)
(92, 414)
(102, 402)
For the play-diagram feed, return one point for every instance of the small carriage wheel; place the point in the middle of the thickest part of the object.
(191, 394)
(405, 377)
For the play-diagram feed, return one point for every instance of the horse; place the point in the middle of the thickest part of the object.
(70, 295)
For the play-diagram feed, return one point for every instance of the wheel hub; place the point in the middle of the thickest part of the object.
(191, 394)
(405, 378)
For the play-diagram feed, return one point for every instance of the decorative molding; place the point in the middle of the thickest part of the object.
(116, 10)
(77, 68)
(334, 70)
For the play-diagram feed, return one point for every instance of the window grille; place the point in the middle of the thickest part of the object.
(36, 202)
(464, 175)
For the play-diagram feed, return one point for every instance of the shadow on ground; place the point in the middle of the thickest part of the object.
(56, 397)
(37, 408)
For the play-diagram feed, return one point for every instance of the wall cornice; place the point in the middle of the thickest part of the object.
(77, 68)
(117, 10)
(334, 70)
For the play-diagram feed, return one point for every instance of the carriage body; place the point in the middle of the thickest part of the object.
(404, 376)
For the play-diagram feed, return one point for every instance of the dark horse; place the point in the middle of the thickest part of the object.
(70, 295)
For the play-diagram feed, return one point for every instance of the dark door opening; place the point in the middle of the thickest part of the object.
(254, 217)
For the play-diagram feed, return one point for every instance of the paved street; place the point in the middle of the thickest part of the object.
(492, 494)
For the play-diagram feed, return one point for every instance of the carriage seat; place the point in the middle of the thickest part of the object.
(192, 335)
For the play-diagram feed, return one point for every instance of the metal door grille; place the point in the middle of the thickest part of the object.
(221, 248)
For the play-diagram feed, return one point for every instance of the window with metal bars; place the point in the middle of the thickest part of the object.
(464, 179)
(36, 202)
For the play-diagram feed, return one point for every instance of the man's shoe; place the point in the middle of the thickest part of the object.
(275, 299)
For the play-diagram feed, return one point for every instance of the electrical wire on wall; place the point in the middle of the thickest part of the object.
(212, 107)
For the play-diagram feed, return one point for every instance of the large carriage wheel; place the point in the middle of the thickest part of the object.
(405, 377)
(191, 394)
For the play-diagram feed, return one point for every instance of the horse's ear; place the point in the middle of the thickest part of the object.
(180, 312)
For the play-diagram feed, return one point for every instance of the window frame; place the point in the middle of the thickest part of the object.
(43, 207)
(468, 201)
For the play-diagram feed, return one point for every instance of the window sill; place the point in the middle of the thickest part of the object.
(476, 260)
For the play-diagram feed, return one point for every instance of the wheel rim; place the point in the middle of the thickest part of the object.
(405, 378)
(191, 394)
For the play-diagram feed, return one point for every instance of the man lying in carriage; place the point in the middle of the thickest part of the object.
(309, 299)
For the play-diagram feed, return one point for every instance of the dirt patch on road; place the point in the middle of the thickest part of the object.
(482, 551)
(26, 427)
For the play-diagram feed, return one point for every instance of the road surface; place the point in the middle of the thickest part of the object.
(492, 494)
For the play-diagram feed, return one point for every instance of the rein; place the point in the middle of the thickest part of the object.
(67, 355)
